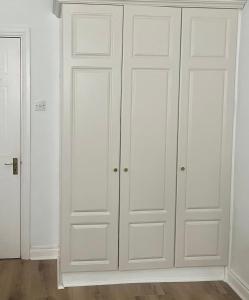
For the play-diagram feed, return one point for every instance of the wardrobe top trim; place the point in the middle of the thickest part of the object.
(239, 4)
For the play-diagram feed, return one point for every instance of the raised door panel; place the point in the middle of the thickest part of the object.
(90, 139)
(91, 27)
(92, 41)
(149, 136)
(209, 40)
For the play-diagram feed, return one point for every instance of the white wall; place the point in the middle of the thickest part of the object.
(240, 240)
(37, 14)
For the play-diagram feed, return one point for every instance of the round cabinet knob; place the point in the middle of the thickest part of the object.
(115, 170)
(183, 168)
(125, 169)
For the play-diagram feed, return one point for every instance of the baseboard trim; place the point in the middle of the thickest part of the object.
(237, 284)
(121, 277)
(40, 253)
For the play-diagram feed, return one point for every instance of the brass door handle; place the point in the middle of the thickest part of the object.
(125, 169)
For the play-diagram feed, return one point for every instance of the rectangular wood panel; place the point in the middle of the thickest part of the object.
(209, 39)
(92, 41)
(148, 139)
(149, 136)
(90, 139)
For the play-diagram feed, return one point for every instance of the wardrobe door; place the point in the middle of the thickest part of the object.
(149, 136)
(92, 43)
(207, 94)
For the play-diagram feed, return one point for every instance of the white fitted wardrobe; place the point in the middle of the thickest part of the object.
(148, 93)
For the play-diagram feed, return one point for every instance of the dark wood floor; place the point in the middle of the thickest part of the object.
(36, 280)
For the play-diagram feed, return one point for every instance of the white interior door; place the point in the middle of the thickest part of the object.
(209, 41)
(91, 137)
(9, 148)
(149, 136)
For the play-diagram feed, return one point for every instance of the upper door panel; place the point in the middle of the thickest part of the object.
(149, 136)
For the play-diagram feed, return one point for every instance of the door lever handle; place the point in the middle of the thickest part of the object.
(14, 164)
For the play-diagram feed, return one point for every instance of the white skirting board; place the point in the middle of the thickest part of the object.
(121, 277)
(43, 253)
(237, 284)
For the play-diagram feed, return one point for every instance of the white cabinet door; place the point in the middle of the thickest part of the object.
(209, 40)
(149, 136)
(91, 137)
(10, 104)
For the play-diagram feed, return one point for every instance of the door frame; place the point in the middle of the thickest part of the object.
(23, 33)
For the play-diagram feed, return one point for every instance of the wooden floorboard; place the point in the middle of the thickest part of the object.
(36, 280)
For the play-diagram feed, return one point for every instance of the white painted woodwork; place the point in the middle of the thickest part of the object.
(92, 46)
(207, 92)
(239, 4)
(10, 93)
(151, 55)
(142, 276)
(132, 53)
